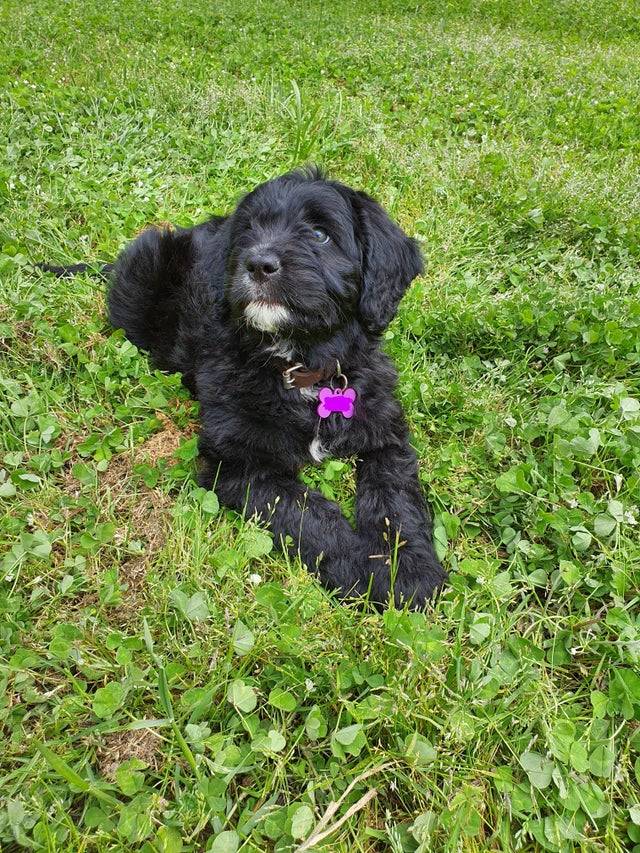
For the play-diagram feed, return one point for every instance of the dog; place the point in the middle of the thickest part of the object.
(273, 316)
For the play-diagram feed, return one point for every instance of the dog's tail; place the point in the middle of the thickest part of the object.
(74, 269)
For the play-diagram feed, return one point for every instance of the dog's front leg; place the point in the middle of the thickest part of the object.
(393, 520)
(320, 533)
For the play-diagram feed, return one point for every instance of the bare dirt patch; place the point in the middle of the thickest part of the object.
(149, 521)
(118, 747)
(143, 514)
(162, 444)
(117, 474)
(149, 518)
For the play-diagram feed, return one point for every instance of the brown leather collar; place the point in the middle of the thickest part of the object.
(296, 375)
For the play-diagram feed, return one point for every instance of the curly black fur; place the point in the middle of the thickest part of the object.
(307, 267)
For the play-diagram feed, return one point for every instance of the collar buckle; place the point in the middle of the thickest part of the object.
(287, 379)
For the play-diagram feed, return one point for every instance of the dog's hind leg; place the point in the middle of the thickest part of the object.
(320, 533)
(150, 298)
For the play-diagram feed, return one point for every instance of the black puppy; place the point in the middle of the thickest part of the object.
(260, 311)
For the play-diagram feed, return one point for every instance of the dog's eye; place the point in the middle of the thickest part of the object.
(320, 235)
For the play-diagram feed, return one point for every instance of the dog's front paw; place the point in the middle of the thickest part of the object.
(416, 581)
(417, 593)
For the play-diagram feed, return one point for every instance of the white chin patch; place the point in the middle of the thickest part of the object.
(266, 317)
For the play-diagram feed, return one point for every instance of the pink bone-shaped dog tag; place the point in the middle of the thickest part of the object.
(336, 400)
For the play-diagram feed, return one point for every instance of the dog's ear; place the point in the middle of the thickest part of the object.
(390, 262)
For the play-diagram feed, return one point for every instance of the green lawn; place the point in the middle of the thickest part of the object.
(167, 681)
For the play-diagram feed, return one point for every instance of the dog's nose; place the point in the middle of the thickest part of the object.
(263, 263)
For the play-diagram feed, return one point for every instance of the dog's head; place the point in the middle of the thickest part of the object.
(308, 255)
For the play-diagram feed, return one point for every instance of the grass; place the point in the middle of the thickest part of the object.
(168, 682)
